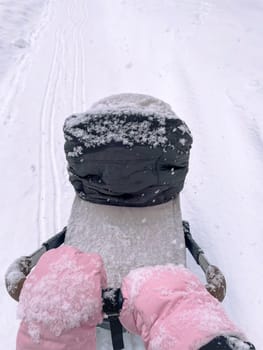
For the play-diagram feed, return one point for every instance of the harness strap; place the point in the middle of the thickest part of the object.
(116, 333)
(112, 304)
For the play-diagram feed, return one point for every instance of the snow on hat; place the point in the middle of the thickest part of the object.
(127, 149)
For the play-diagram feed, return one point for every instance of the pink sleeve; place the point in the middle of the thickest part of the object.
(171, 309)
(61, 301)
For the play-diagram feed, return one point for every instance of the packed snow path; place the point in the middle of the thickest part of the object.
(205, 59)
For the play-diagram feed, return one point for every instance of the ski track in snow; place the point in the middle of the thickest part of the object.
(48, 114)
(47, 145)
(198, 56)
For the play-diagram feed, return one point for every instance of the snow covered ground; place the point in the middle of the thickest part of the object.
(202, 57)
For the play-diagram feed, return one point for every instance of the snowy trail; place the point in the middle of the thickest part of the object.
(205, 59)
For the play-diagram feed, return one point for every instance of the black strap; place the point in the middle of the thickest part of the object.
(116, 333)
(112, 304)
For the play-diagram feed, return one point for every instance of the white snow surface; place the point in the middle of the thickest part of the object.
(202, 58)
(19, 26)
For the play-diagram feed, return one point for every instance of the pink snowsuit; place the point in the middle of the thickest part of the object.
(60, 305)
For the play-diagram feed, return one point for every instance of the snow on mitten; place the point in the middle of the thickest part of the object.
(171, 309)
(60, 303)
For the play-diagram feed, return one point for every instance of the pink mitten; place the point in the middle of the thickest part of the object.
(60, 303)
(171, 309)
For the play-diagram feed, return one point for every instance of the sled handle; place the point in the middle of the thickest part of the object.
(216, 282)
(21, 267)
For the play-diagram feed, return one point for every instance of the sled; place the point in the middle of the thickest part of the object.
(127, 204)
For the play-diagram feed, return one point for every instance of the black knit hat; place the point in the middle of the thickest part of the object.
(127, 150)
